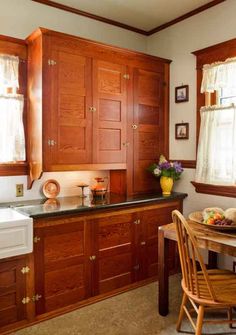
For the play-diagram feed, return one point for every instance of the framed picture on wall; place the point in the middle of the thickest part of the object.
(181, 93)
(181, 131)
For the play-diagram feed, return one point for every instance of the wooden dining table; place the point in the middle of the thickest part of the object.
(215, 241)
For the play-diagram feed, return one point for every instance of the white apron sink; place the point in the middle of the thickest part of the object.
(16, 233)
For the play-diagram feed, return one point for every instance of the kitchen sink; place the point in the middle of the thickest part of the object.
(16, 233)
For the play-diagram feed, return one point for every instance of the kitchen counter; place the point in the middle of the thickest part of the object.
(75, 204)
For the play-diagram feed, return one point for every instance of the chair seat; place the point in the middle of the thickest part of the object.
(224, 286)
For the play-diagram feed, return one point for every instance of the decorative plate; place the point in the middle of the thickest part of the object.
(198, 217)
(51, 188)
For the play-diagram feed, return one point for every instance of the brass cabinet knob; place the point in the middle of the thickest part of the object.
(134, 126)
(92, 109)
(92, 258)
(137, 221)
(143, 243)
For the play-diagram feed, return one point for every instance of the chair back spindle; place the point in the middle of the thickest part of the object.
(189, 256)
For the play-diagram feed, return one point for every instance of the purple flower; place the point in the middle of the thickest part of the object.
(178, 168)
(165, 166)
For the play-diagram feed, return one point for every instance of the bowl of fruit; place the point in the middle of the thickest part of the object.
(216, 218)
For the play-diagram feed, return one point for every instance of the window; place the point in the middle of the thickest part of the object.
(12, 139)
(216, 158)
(226, 96)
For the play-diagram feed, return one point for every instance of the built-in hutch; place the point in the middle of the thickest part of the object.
(90, 107)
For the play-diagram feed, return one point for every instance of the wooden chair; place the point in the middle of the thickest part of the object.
(205, 289)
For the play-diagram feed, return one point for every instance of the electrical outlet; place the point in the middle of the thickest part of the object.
(19, 190)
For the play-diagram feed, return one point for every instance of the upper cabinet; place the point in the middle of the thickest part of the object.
(93, 107)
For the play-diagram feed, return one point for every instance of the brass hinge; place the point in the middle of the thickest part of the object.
(25, 300)
(25, 269)
(126, 76)
(51, 62)
(36, 297)
(36, 239)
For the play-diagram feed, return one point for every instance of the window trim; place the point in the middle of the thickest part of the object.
(215, 53)
(17, 47)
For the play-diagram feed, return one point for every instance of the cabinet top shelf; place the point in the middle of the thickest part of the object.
(75, 204)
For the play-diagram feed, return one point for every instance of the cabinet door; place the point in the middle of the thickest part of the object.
(115, 252)
(61, 264)
(148, 127)
(109, 119)
(12, 291)
(150, 220)
(67, 104)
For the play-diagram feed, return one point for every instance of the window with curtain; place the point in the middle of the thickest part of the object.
(12, 138)
(216, 157)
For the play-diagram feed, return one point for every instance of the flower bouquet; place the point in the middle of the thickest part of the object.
(168, 171)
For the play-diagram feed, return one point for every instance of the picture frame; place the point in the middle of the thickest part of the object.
(181, 93)
(182, 131)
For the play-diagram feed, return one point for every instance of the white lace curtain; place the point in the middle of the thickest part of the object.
(216, 158)
(12, 138)
(9, 66)
(219, 75)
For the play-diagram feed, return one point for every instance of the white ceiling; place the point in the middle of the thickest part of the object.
(142, 14)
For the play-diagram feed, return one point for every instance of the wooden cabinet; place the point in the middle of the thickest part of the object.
(81, 258)
(86, 255)
(62, 263)
(114, 247)
(80, 103)
(95, 107)
(12, 290)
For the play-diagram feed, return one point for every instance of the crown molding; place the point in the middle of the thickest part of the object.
(126, 26)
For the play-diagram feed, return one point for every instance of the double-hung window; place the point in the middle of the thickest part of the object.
(216, 157)
(12, 137)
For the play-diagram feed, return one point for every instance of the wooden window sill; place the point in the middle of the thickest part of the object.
(14, 169)
(225, 191)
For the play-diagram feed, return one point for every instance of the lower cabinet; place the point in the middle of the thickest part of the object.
(114, 249)
(81, 256)
(13, 301)
(62, 263)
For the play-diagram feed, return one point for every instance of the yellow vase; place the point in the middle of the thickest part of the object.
(166, 185)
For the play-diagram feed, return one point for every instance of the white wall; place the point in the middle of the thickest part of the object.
(210, 27)
(18, 18)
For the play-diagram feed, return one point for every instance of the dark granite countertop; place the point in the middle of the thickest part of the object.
(71, 205)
